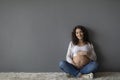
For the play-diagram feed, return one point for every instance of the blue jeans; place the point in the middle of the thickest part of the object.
(92, 66)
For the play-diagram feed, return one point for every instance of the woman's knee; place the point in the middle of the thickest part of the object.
(94, 66)
(62, 64)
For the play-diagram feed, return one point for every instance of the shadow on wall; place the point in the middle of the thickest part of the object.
(100, 57)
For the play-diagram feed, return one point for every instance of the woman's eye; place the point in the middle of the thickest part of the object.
(77, 33)
(81, 32)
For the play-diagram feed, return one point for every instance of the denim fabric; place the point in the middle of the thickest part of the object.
(92, 66)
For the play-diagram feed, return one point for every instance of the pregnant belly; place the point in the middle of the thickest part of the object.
(80, 60)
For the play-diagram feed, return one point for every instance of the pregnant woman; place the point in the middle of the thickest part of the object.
(80, 58)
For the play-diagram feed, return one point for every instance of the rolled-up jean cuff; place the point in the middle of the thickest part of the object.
(78, 75)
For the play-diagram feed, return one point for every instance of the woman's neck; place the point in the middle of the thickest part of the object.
(81, 42)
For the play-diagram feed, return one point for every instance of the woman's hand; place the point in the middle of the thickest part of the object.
(82, 53)
(73, 63)
(80, 59)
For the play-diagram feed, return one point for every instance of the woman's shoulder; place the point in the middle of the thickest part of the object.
(90, 44)
(71, 43)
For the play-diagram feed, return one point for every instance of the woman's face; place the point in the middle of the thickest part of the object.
(79, 34)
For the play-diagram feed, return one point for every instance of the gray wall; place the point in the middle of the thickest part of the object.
(34, 34)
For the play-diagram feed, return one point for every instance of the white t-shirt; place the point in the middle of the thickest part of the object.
(73, 49)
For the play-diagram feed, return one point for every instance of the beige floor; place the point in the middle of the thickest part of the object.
(55, 76)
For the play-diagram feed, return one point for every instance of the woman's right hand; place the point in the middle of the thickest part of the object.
(82, 53)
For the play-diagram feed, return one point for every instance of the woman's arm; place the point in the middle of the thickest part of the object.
(69, 54)
(92, 53)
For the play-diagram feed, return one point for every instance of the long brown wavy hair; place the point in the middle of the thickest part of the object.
(75, 40)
